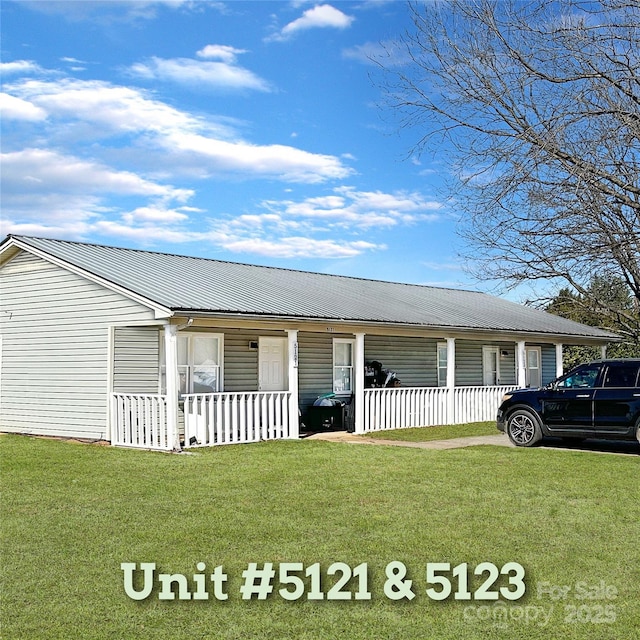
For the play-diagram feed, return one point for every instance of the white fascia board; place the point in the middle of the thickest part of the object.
(159, 310)
(395, 328)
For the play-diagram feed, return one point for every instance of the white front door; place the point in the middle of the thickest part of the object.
(491, 366)
(272, 364)
(534, 372)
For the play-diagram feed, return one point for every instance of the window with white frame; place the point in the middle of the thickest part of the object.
(343, 381)
(442, 364)
(199, 363)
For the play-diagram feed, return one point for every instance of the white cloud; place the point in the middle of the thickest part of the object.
(148, 234)
(115, 108)
(300, 247)
(194, 145)
(318, 17)
(325, 226)
(389, 53)
(13, 108)
(102, 160)
(62, 215)
(155, 215)
(305, 229)
(108, 11)
(41, 170)
(198, 73)
(220, 52)
(47, 193)
(288, 163)
(349, 208)
(237, 241)
(66, 229)
(19, 67)
(443, 266)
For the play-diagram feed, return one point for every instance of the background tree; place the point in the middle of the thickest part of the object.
(540, 102)
(605, 293)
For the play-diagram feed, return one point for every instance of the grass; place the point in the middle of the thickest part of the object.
(444, 432)
(71, 513)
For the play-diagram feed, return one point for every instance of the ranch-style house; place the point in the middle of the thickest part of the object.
(145, 349)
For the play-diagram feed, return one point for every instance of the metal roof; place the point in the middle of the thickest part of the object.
(188, 284)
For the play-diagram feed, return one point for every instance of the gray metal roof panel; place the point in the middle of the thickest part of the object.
(200, 284)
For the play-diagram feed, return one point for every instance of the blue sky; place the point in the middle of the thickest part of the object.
(244, 131)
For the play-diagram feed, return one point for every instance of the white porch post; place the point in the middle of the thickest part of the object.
(521, 370)
(603, 351)
(451, 380)
(559, 364)
(294, 422)
(171, 362)
(358, 365)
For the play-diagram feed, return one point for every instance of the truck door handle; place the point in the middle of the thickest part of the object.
(583, 395)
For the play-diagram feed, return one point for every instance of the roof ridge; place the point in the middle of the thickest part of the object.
(244, 264)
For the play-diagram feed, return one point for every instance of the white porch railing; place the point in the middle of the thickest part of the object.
(478, 404)
(429, 406)
(227, 418)
(139, 420)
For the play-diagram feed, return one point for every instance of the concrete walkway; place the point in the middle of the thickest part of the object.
(455, 443)
(499, 439)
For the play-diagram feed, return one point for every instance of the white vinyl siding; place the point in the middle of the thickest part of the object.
(241, 357)
(135, 360)
(240, 360)
(55, 336)
(315, 361)
(469, 364)
(413, 359)
(548, 363)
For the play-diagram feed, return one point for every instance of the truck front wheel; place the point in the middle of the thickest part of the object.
(523, 428)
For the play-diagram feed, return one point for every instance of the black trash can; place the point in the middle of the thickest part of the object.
(326, 417)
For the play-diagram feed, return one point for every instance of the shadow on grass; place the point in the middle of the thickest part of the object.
(595, 445)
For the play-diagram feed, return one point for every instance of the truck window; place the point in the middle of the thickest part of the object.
(581, 378)
(622, 374)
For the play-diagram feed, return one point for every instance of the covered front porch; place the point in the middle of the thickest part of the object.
(142, 420)
(178, 416)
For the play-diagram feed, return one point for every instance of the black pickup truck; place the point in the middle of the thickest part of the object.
(596, 400)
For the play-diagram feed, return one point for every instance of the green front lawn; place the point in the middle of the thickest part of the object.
(441, 432)
(71, 514)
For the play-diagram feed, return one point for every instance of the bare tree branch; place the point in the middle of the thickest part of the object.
(540, 102)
